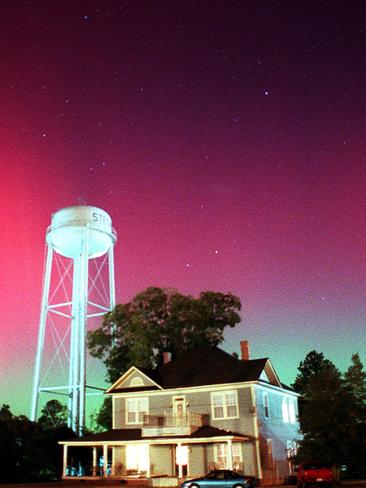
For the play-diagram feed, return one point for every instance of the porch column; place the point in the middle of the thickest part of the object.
(230, 454)
(95, 467)
(105, 457)
(148, 471)
(64, 465)
(180, 467)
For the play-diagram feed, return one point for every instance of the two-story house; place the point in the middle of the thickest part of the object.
(206, 410)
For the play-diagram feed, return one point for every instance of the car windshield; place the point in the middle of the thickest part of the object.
(217, 475)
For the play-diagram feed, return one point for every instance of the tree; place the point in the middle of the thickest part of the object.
(159, 320)
(155, 321)
(355, 383)
(332, 417)
(103, 419)
(53, 415)
(325, 418)
(29, 451)
(313, 363)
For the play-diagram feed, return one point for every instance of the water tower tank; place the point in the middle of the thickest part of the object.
(67, 231)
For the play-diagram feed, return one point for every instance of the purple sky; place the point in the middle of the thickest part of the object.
(227, 141)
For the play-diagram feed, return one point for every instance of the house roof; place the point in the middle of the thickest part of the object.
(203, 366)
(114, 435)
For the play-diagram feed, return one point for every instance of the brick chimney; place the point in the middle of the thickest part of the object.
(244, 347)
(166, 357)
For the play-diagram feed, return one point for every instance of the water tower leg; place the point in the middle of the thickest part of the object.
(74, 350)
(84, 283)
(112, 288)
(41, 333)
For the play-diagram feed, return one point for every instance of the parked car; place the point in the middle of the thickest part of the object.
(222, 478)
(314, 474)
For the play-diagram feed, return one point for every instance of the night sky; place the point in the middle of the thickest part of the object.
(226, 139)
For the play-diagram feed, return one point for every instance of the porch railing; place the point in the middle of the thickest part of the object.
(168, 424)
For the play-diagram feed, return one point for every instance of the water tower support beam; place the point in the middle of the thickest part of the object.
(41, 333)
(112, 288)
(82, 339)
(73, 367)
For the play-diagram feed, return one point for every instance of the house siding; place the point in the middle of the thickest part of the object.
(161, 460)
(197, 461)
(249, 459)
(277, 431)
(196, 402)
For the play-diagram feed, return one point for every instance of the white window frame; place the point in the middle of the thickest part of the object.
(138, 410)
(237, 455)
(265, 399)
(225, 405)
(223, 447)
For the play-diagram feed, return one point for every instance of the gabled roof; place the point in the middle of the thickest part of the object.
(147, 374)
(202, 367)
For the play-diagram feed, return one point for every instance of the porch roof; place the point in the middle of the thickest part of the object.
(122, 436)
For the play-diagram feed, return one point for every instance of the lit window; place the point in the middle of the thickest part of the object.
(288, 410)
(136, 408)
(265, 405)
(137, 458)
(224, 405)
(291, 411)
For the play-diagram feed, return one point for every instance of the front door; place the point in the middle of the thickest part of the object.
(179, 410)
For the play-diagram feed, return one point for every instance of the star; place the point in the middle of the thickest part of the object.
(266, 92)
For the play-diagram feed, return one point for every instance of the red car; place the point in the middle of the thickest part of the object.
(314, 474)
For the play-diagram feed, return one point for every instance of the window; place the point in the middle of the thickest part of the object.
(136, 408)
(137, 458)
(291, 411)
(220, 454)
(289, 449)
(224, 405)
(137, 381)
(265, 405)
(237, 456)
(285, 412)
(288, 410)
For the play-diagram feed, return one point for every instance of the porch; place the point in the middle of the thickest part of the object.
(160, 460)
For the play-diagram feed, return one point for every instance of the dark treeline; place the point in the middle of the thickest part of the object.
(29, 451)
(332, 413)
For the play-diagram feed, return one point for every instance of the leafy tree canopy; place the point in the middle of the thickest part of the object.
(159, 320)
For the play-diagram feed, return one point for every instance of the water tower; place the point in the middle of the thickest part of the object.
(78, 288)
